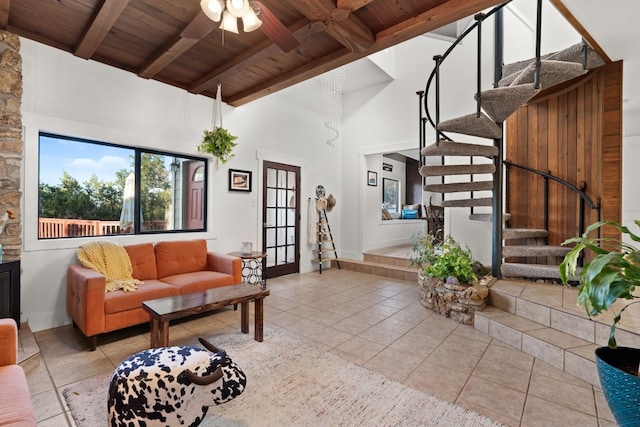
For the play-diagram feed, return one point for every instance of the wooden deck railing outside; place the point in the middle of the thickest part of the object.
(51, 228)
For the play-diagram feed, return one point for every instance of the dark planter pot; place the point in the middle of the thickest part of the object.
(620, 388)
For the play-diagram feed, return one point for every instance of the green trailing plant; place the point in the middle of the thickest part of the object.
(613, 273)
(444, 259)
(218, 142)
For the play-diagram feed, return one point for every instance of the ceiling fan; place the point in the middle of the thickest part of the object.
(254, 15)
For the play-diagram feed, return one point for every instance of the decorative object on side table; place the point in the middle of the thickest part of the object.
(448, 278)
(239, 180)
(254, 266)
(611, 275)
(219, 141)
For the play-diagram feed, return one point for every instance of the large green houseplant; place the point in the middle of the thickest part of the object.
(218, 142)
(613, 273)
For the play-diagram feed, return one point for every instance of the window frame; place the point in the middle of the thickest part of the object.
(137, 154)
(397, 191)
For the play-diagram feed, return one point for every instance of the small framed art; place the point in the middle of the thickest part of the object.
(239, 180)
(372, 178)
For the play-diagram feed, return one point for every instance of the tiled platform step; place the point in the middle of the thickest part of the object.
(543, 321)
(28, 350)
(391, 271)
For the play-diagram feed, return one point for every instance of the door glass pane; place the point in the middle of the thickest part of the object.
(271, 237)
(291, 181)
(271, 198)
(291, 257)
(271, 217)
(282, 237)
(291, 217)
(271, 257)
(271, 177)
(282, 255)
(282, 179)
(282, 216)
(282, 198)
(291, 235)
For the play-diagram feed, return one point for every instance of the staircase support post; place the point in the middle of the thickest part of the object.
(498, 223)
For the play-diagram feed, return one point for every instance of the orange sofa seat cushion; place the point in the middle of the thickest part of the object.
(143, 261)
(199, 281)
(180, 257)
(15, 400)
(119, 300)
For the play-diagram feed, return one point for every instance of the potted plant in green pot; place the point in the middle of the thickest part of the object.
(219, 142)
(613, 273)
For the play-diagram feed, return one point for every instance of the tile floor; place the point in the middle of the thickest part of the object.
(372, 321)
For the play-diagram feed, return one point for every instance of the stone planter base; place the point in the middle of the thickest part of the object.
(456, 301)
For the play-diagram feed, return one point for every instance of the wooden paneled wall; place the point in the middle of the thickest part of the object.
(574, 133)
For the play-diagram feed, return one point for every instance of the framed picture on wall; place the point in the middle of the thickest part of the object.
(239, 180)
(372, 178)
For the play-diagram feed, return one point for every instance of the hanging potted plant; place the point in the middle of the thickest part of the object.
(219, 141)
(612, 274)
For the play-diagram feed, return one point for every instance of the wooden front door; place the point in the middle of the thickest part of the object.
(195, 195)
(281, 214)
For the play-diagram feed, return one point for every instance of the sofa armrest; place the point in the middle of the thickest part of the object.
(8, 342)
(85, 299)
(225, 264)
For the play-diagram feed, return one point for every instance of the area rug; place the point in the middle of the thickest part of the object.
(293, 383)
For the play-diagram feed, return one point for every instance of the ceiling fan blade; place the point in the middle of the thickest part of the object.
(274, 29)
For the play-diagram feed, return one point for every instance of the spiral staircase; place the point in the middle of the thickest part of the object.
(472, 174)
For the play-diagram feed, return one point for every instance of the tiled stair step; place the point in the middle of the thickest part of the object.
(456, 187)
(488, 217)
(564, 351)
(523, 233)
(446, 148)
(387, 260)
(501, 102)
(544, 321)
(28, 349)
(399, 273)
(534, 251)
(551, 73)
(444, 170)
(467, 203)
(481, 126)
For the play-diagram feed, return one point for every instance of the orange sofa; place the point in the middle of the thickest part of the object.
(15, 399)
(166, 268)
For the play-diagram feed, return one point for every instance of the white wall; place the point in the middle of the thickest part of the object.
(70, 96)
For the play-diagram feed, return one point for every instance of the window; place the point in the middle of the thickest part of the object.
(88, 188)
(390, 195)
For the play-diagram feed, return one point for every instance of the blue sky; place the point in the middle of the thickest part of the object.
(80, 160)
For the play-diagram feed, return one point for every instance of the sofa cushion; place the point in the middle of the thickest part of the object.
(184, 256)
(143, 261)
(117, 301)
(15, 400)
(199, 281)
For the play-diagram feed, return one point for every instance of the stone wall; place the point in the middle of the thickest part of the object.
(452, 299)
(11, 144)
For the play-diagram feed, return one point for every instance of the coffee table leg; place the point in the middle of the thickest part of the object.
(258, 319)
(244, 317)
(159, 333)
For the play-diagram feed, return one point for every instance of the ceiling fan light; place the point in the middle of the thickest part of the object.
(238, 8)
(250, 21)
(229, 22)
(213, 9)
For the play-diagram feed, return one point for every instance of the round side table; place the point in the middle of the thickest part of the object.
(254, 267)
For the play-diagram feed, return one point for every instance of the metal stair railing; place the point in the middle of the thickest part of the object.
(585, 200)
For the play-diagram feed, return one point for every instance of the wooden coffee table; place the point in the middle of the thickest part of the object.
(163, 310)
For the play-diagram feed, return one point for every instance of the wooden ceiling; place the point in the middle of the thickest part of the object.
(173, 42)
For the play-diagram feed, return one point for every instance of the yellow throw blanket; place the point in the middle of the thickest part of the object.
(112, 261)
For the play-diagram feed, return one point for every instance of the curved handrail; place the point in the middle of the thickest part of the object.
(444, 56)
(567, 184)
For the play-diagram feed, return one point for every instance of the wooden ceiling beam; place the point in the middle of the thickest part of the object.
(353, 4)
(347, 29)
(199, 27)
(264, 50)
(421, 24)
(4, 13)
(99, 27)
